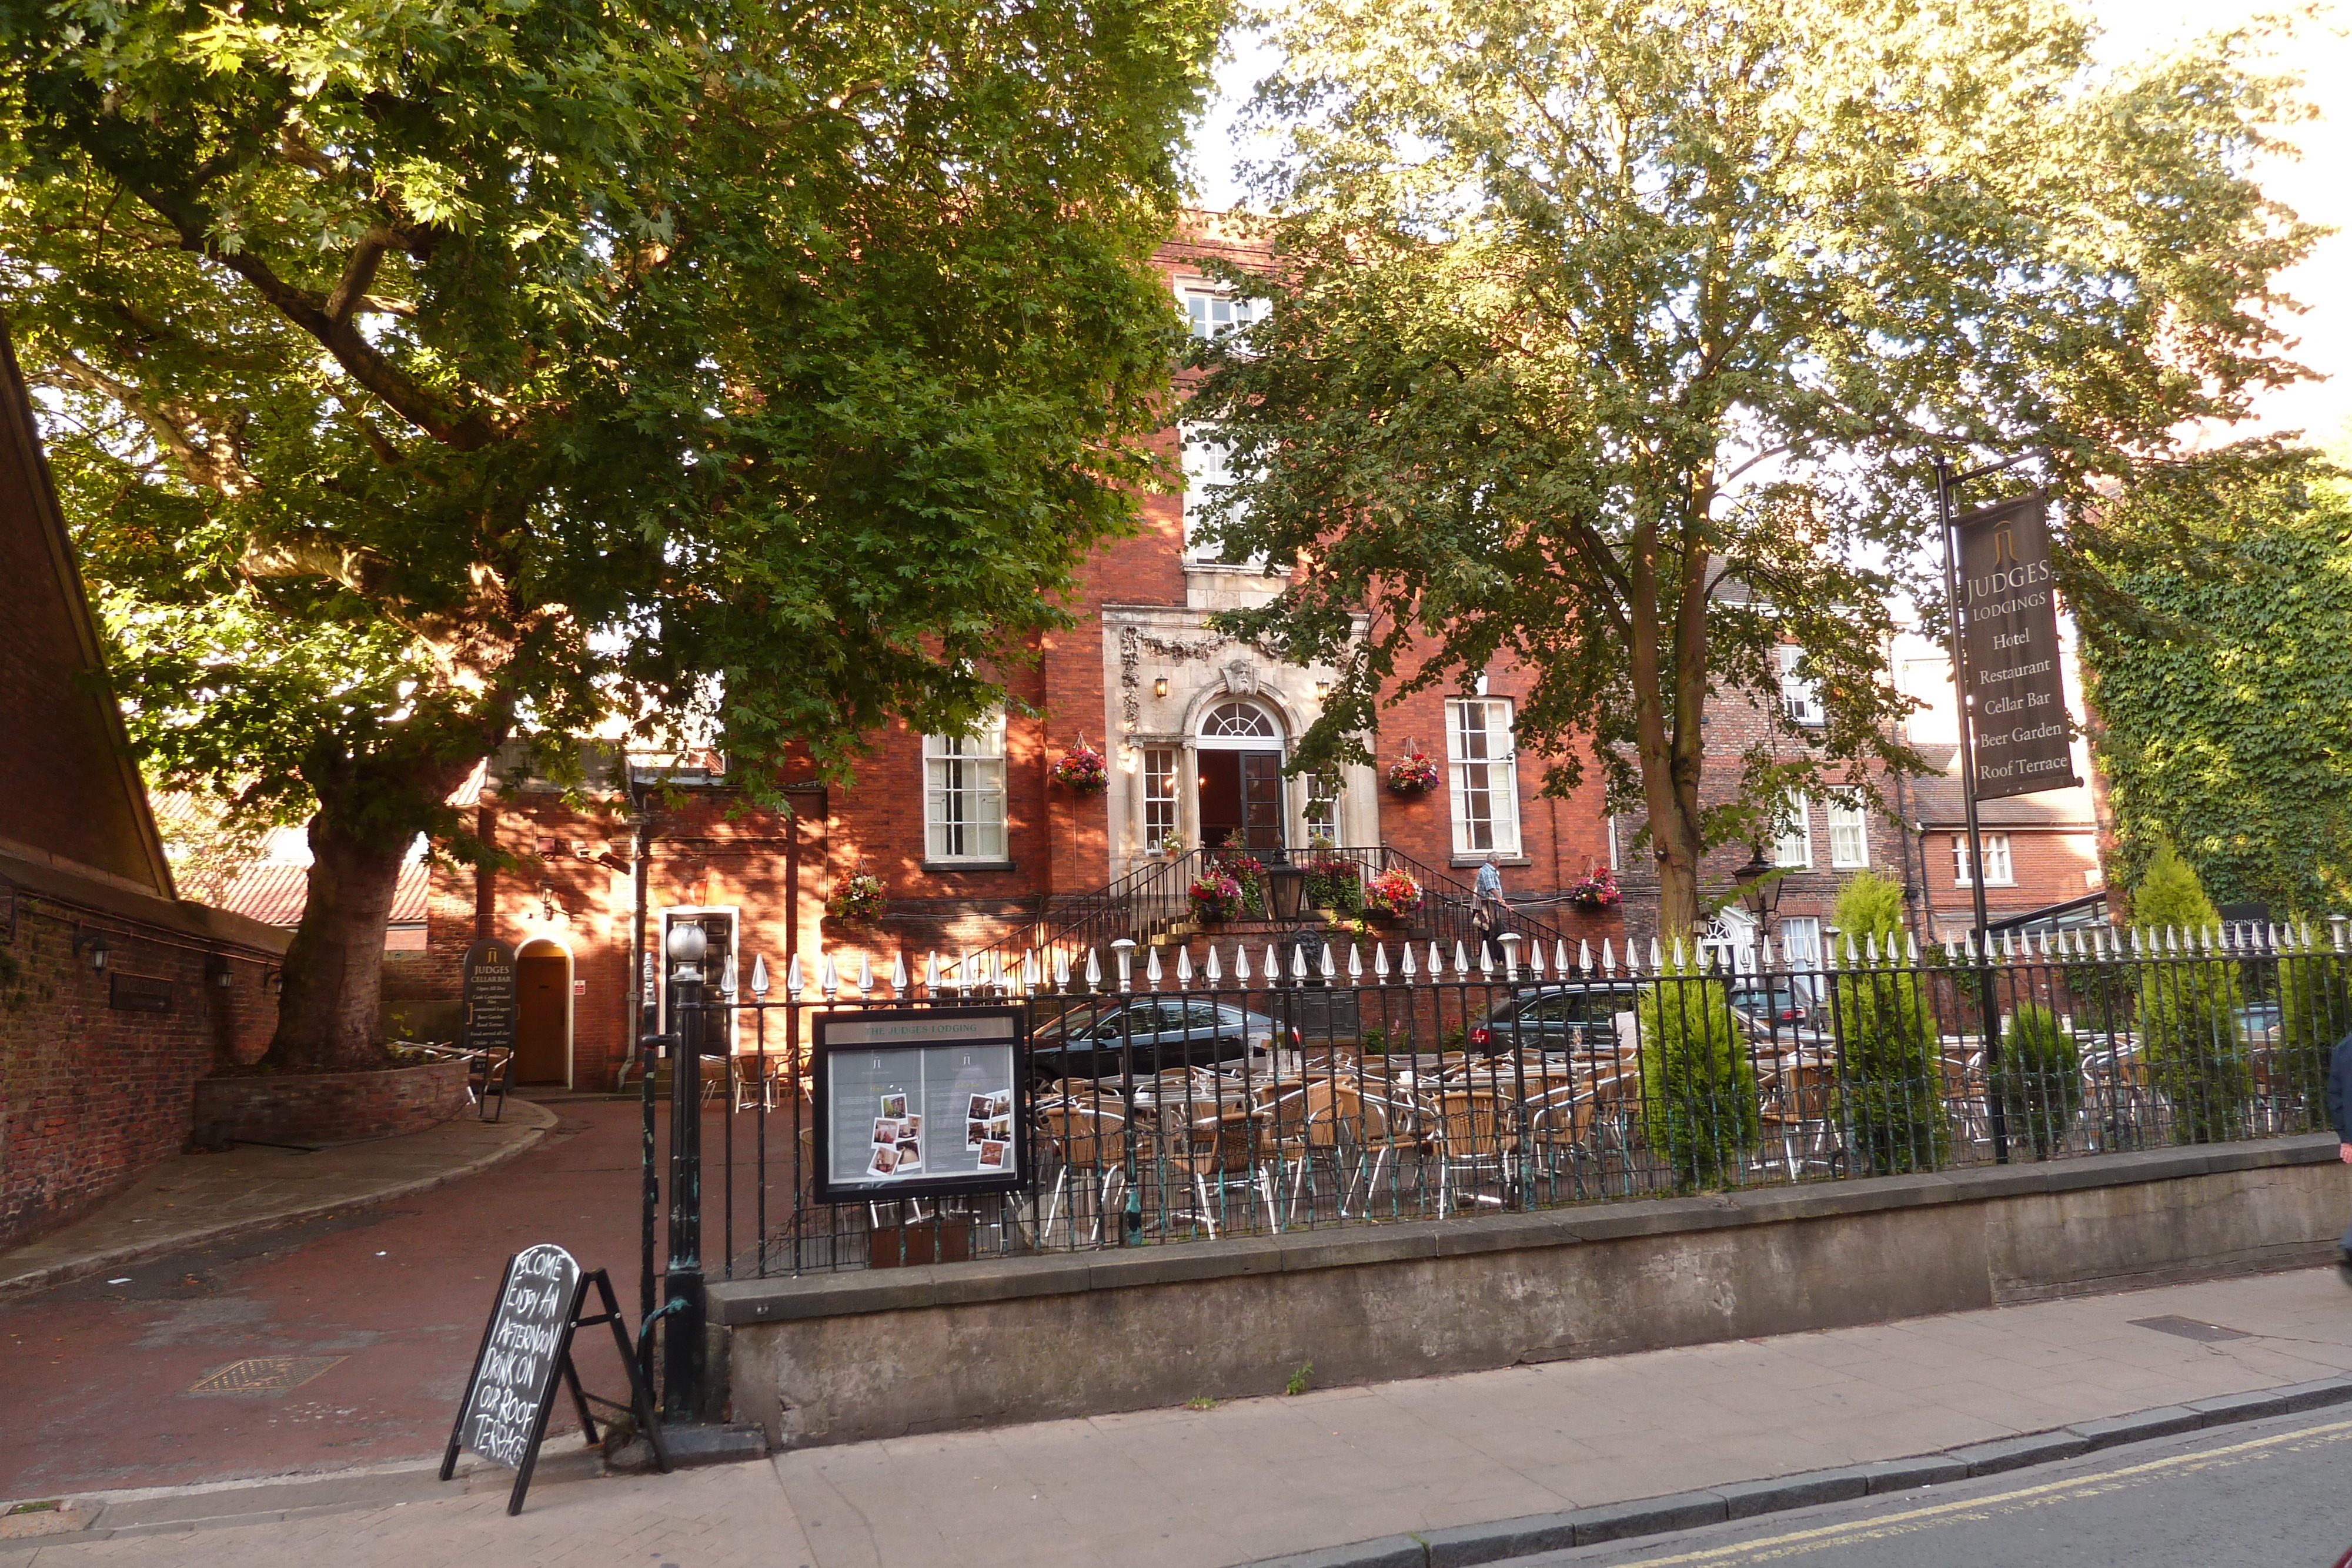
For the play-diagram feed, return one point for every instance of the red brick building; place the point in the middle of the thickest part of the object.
(115, 995)
(972, 840)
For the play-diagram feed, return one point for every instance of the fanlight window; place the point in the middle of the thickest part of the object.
(1242, 720)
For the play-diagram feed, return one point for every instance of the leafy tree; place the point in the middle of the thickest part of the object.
(1700, 1107)
(2040, 1078)
(2223, 697)
(2188, 1008)
(1890, 1066)
(1614, 338)
(425, 375)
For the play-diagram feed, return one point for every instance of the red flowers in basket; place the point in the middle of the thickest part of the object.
(1393, 892)
(1413, 773)
(1082, 769)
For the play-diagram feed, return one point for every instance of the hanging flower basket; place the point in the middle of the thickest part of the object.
(1216, 896)
(857, 900)
(1413, 773)
(1082, 770)
(1393, 893)
(1598, 890)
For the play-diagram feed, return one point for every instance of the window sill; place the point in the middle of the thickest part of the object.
(1965, 886)
(968, 865)
(1461, 861)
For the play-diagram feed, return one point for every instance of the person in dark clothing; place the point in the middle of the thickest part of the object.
(2339, 1116)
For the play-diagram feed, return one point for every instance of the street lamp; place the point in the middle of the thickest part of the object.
(1286, 889)
(1759, 888)
(95, 944)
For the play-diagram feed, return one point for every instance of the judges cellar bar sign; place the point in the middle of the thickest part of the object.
(2008, 650)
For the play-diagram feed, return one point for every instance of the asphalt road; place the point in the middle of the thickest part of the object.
(2276, 1494)
(99, 1377)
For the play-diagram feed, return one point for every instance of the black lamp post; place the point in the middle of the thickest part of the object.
(1759, 889)
(682, 1346)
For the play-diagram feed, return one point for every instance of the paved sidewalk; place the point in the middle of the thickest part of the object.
(201, 1199)
(1205, 1489)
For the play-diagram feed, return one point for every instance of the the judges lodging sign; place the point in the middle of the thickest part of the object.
(2008, 650)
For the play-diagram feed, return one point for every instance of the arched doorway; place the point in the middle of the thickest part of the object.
(1240, 751)
(542, 1013)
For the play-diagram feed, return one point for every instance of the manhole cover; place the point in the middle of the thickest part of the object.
(264, 1375)
(2189, 1328)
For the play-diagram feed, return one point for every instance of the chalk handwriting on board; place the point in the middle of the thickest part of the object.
(526, 1352)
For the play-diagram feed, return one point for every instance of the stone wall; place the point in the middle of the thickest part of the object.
(848, 1357)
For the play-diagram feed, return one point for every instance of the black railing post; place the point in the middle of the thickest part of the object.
(683, 1352)
(648, 1052)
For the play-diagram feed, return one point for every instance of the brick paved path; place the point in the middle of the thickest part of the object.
(98, 1372)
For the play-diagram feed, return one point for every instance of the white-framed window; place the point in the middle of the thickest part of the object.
(1849, 834)
(963, 794)
(1212, 311)
(1207, 468)
(1800, 699)
(1999, 871)
(1793, 843)
(1479, 744)
(1160, 769)
(1800, 941)
(1322, 813)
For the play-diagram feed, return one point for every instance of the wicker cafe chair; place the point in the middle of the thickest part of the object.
(1563, 1134)
(756, 1079)
(1376, 1131)
(1306, 1132)
(1084, 1140)
(1799, 1109)
(1465, 1129)
(1228, 1149)
(488, 1073)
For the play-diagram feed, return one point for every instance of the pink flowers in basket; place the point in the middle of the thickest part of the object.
(857, 899)
(1597, 891)
(1216, 896)
(1082, 769)
(1393, 892)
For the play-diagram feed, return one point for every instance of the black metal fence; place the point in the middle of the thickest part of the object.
(1327, 1084)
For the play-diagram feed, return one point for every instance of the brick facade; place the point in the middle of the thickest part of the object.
(1140, 616)
(97, 1064)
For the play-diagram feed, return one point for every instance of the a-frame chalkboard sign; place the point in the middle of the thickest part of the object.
(525, 1349)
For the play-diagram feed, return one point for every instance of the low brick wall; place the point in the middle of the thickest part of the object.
(328, 1107)
(847, 1357)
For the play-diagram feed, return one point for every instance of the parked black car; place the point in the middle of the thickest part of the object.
(1163, 1032)
(1784, 1003)
(1580, 1015)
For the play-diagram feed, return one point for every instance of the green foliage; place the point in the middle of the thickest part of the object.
(1890, 1066)
(1556, 272)
(1698, 1087)
(2188, 1008)
(2040, 1078)
(418, 375)
(2223, 695)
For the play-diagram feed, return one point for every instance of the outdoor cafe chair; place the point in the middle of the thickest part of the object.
(1798, 1108)
(1467, 1130)
(1226, 1149)
(490, 1072)
(1086, 1148)
(1381, 1128)
(1563, 1132)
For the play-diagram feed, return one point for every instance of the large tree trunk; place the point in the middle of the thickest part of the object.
(328, 1012)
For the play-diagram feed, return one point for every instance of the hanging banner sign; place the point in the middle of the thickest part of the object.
(2008, 651)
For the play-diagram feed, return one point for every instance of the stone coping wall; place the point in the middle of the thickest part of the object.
(848, 1357)
(328, 1107)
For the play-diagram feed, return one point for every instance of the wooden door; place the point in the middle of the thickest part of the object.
(542, 1000)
